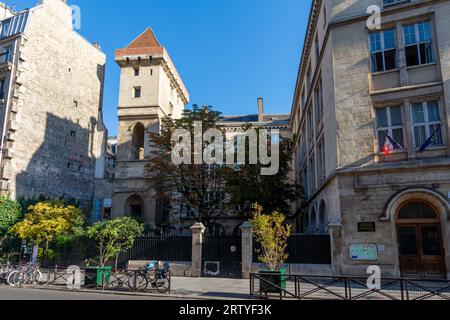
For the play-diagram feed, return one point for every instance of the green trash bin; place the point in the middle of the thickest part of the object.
(272, 281)
(94, 276)
(103, 273)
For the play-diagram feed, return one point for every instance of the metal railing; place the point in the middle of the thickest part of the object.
(114, 280)
(301, 287)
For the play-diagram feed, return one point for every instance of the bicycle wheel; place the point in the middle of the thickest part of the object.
(37, 278)
(161, 283)
(16, 278)
(141, 282)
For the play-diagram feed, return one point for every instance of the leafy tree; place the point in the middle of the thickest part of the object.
(114, 237)
(247, 186)
(48, 220)
(271, 232)
(10, 214)
(201, 188)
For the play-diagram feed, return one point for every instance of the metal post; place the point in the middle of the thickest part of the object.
(349, 289)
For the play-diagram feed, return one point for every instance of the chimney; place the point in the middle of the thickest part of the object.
(260, 110)
(97, 45)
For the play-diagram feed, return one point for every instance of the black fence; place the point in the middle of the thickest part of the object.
(298, 287)
(304, 249)
(163, 248)
(106, 280)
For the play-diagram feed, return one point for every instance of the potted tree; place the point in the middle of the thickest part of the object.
(271, 233)
(113, 237)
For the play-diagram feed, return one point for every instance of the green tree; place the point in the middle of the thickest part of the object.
(10, 214)
(247, 186)
(200, 188)
(271, 232)
(48, 220)
(114, 237)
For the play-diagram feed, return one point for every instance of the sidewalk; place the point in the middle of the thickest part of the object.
(211, 288)
(187, 288)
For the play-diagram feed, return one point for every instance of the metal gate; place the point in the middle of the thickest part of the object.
(222, 257)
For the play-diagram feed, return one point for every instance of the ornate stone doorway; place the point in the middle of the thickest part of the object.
(420, 241)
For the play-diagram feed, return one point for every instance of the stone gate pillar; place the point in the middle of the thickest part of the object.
(198, 231)
(337, 258)
(247, 249)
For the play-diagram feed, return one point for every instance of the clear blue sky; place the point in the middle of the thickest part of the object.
(228, 52)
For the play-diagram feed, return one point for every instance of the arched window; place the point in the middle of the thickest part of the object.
(323, 219)
(417, 211)
(135, 206)
(137, 142)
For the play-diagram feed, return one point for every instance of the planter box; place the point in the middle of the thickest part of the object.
(273, 281)
(94, 276)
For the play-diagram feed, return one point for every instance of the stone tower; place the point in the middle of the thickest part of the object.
(150, 89)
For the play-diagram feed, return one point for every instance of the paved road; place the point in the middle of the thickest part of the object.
(8, 293)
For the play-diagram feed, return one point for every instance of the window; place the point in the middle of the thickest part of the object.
(383, 51)
(316, 46)
(321, 159)
(5, 29)
(390, 122)
(303, 98)
(389, 2)
(5, 55)
(310, 127)
(75, 104)
(319, 101)
(305, 180)
(137, 92)
(427, 122)
(312, 173)
(72, 134)
(136, 71)
(418, 44)
(2, 89)
(308, 77)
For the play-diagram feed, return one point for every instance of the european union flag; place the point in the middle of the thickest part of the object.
(429, 142)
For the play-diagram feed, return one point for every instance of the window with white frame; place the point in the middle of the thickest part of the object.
(383, 50)
(427, 122)
(389, 122)
(418, 44)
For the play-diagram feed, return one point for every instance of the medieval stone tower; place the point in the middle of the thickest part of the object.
(150, 89)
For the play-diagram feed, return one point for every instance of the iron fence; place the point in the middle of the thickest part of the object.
(109, 280)
(163, 248)
(304, 249)
(299, 287)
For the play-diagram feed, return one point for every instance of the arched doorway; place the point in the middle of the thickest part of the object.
(135, 207)
(420, 241)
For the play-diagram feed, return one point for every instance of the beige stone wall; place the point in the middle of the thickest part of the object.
(56, 68)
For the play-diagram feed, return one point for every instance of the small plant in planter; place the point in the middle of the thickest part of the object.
(272, 234)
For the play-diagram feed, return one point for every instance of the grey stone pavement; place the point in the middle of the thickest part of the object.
(182, 288)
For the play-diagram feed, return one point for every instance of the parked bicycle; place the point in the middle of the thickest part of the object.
(5, 271)
(24, 275)
(155, 276)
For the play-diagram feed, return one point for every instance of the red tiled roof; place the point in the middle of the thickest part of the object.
(146, 40)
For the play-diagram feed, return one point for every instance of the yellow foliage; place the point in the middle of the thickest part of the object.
(46, 221)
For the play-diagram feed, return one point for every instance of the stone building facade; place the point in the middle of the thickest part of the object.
(150, 89)
(51, 126)
(366, 101)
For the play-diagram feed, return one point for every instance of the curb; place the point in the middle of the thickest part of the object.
(131, 294)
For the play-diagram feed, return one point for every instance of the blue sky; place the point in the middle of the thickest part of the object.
(228, 52)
